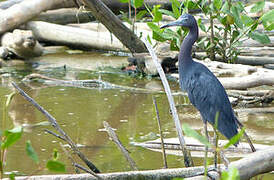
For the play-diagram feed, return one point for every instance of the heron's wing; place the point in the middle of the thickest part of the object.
(208, 95)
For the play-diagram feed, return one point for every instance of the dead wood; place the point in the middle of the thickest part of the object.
(65, 16)
(253, 164)
(246, 60)
(116, 140)
(22, 12)
(187, 156)
(256, 163)
(159, 174)
(74, 37)
(89, 83)
(254, 80)
(160, 132)
(115, 5)
(103, 14)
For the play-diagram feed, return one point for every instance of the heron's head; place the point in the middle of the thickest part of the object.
(185, 20)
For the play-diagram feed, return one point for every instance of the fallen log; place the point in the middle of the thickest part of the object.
(115, 5)
(65, 16)
(22, 12)
(254, 164)
(159, 174)
(246, 60)
(74, 37)
(254, 80)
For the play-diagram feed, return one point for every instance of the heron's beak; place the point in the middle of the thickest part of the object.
(178, 22)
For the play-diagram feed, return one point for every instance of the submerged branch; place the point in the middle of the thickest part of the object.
(116, 140)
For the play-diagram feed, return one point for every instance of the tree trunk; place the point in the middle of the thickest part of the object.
(100, 11)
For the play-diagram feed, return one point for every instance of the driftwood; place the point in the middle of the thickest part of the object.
(23, 12)
(250, 166)
(22, 43)
(65, 16)
(247, 60)
(100, 11)
(160, 174)
(74, 37)
(197, 149)
(254, 80)
(90, 83)
(116, 140)
(115, 5)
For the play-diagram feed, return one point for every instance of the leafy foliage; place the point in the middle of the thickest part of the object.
(234, 25)
(231, 174)
(192, 133)
(11, 136)
(56, 166)
(31, 152)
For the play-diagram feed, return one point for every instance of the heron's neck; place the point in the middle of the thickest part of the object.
(186, 47)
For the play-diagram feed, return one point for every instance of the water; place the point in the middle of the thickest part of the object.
(80, 112)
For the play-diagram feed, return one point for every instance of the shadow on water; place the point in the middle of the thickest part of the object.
(80, 112)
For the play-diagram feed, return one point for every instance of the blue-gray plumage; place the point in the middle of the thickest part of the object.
(204, 90)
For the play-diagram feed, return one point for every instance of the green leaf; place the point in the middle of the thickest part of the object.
(141, 14)
(56, 166)
(11, 136)
(201, 25)
(236, 14)
(260, 37)
(217, 4)
(259, 6)
(235, 34)
(231, 174)
(234, 139)
(167, 12)
(31, 152)
(192, 5)
(55, 154)
(192, 133)
(153, 27)
(157, 15)
(225, 8)
(270, 27)
(248, 21)
(137, 3)
(124, 1)
(268, 17)
(175, 4)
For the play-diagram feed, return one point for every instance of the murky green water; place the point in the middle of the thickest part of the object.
(80, 112)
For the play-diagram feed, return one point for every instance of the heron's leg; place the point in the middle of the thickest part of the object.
(246, 136)
(215, 140)
(206, 148)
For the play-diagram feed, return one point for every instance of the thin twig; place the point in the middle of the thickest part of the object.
(116, 140)
(70, 158)
(54, 134)
(87, 170)
(54, 123)
(187, 157)
(161, 133)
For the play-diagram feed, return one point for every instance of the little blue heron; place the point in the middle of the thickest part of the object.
(204, 90)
